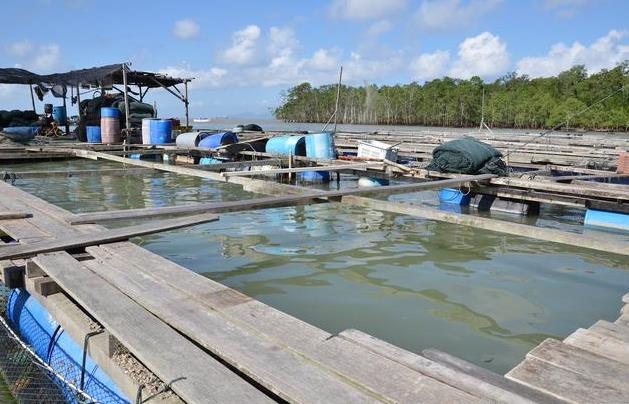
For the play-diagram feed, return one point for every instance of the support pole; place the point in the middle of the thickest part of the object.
(338, 95)
(126, 96)
(185, 89)
(32, 98)
(65, 107)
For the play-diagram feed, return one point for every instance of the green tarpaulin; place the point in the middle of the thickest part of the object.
(467, 156)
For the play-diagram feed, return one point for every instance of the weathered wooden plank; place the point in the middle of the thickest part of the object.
(74, 173)
(302, 169)
(551, 235)
(603, 345)
(351, 362)
(197, 376)
(106, 236)
(273, 366)
(445, 374)
(46, 286)
(14, 215)
(617, 331)
(565, 384)
(489, 377)
(586, 363)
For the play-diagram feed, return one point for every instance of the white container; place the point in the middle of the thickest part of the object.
(146, 130)
(373, 149)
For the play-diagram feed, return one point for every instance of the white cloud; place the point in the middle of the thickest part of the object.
(605, 52)
(48, 57)
(20, 48)
(359, 68)
(379, 27)
(483, 55)
(324, 59)
(429, 66)
(186, 29)
(203, 78)
(365, 9)
(244, 42)
(445, 15)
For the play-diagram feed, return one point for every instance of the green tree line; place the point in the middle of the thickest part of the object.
(512, 101)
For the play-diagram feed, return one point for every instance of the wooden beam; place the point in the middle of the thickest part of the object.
(550, 235)
(302, 169)
(7, 215)
(106, 236)
(74, 173)
(196, 377)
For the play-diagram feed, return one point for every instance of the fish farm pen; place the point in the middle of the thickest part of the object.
(316, 267)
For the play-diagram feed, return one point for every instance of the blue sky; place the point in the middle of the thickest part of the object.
(244, 53)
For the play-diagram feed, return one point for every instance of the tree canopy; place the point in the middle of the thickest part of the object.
(512, 101)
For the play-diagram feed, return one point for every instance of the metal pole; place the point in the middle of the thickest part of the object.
(126, 96)
(338, 94)
(66, 109)
(32, 98)
(185, 87)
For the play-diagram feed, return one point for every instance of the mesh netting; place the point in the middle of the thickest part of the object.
(36, 370)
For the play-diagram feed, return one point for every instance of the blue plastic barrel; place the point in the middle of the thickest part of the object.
(93, 134)
(161, 130)
(37, 327)
(59, 114)
(319, 146)
(218, 139)
(108, 112)
(285, 145)
(618, 221)
(454, 196)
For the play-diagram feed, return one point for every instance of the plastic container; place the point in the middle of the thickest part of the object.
(51, 342)
(188, 139)
(285, 145)
(605, 219)
(110, 125)
(146, 130)
(209, 160)
(218, 139)
(319, 146)
(59, 114)
(373, 149)
(454, 196)
(370, 182)
(93, 134)
(161, 131)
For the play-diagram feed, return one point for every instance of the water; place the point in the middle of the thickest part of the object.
(484, 296)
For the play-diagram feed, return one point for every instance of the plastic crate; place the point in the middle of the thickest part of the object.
(373, 149)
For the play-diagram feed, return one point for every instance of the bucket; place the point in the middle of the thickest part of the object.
(59, 114)
(53, 344)
(160, 131)
(110, 125)
(146, 130)
(218, 139)
(93, 134)
(285, 145)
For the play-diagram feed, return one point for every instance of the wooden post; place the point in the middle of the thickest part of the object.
(290, 166)
(338, 95)
(66, 109)
(126, 96)
(78, 99)
(185, 101)
(32, 98)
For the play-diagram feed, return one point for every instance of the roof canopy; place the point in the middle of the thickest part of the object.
(94, 77)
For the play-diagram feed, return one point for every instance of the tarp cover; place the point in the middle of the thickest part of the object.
(467, 156)
(95, 76)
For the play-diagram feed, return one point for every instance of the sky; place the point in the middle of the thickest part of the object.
(243, 54)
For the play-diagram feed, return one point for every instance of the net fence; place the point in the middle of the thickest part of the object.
(34, 369)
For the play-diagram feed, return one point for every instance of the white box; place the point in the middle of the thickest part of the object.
(374, 149)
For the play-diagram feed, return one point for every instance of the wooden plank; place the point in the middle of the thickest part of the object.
(551, 235)
(616, 331)
(348, 360)
(197, 376)
(564, 384)
(591, 191)
(586, 363)
(363, 166)
(445, 374)
(602, 345)
(106, 236)
(74, 173)
(273, 366)
(46, 286)
(490, 377)
(569, 178)
(7, 215)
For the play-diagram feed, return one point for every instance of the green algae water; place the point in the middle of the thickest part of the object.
(484, 296)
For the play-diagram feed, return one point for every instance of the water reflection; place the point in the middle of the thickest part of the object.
(485, 296)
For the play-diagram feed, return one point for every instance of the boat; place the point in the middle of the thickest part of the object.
(21, 134)
(201, 120)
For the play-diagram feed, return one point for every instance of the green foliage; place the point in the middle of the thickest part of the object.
(512, 101)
